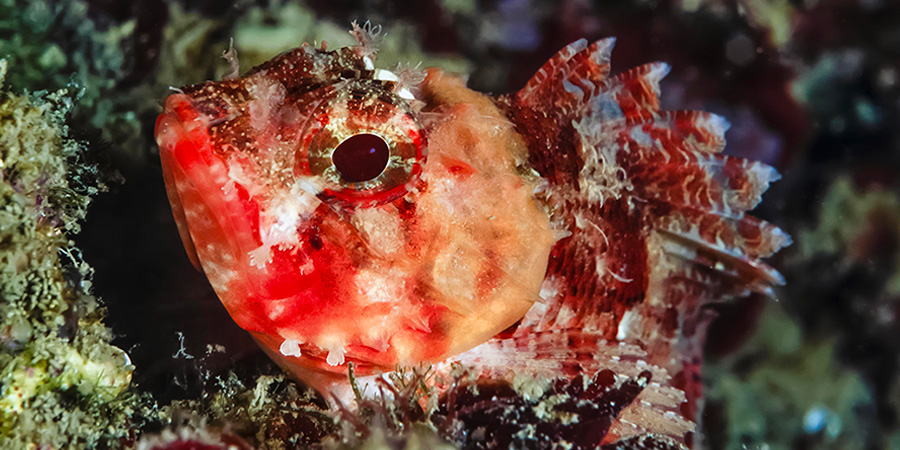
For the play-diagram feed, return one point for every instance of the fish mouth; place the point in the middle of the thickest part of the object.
(365, 360)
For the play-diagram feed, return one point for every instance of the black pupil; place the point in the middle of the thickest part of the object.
(361, 157)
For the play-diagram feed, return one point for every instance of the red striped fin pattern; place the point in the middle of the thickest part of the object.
(635, 93)
(656, 214)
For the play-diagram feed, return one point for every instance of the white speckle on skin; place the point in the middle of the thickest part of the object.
(335, 357)
(379, 285)
(290, 347)
(382, 229)
(275, 310)
(281, 218)
(550, 289)
(260, 256)
(268, 96)
(405, 94)
(565, 314)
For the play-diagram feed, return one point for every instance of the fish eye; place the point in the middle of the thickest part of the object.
(363, 143)
(361, 157)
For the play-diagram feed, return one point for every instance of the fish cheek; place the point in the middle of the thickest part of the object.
(484, 267)
(220, 221)
(288, 273)
(164, 124)
(491, 241)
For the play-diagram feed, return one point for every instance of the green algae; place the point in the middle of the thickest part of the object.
(846, 218)
(397, 414)
(782, 385)
(787, 382)
(62, 384)
(41, 58)
(52, 44)
(270, 412)
(264, 32)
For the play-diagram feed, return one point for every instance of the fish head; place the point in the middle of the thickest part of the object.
(345, 214)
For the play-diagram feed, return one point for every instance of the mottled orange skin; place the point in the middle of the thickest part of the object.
(432, 273)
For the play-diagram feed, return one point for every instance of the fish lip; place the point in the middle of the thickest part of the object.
(313, 357)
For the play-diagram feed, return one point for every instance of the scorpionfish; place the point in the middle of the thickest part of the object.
(572, 230)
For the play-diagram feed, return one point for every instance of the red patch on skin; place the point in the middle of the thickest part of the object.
(457, 167)
(189, 151)
(509, 331)
(406, 209)
(285, 280)
(183, 108)
(488, 279)
(251, 210)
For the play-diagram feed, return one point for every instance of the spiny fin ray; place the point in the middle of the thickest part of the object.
(632, 94)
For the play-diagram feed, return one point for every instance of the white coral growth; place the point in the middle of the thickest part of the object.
(368, 36)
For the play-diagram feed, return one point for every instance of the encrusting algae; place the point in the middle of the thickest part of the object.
(62, 384)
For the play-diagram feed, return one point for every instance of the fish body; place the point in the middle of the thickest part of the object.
(346, 214)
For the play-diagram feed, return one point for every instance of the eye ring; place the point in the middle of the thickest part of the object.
(364, 112)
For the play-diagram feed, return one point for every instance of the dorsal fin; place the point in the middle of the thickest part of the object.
(570, 78)
(673, 157)
(549, 72)
(630, 94)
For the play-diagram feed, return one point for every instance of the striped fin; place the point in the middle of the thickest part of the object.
(555, 352)
(550, 71)
(721, 185)
(632, 94)
(569, 79)
(747, 237)
(718, 272)
(585, 73)
(688, 130)
(672, 158)
(656, 213)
